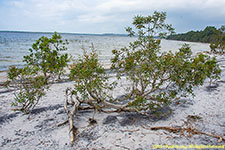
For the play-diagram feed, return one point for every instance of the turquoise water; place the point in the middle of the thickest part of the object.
(15, 45)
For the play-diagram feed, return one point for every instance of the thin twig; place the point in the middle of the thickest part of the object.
(130, 130)
(63, 123)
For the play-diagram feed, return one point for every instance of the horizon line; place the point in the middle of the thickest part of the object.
(51, 32)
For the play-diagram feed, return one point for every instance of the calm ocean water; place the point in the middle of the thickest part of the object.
(15, 45)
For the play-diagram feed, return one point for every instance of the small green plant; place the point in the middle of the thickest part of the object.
(90, 78)
(44, 63)
(30, 87)
(91, 87)
(46, 54)
(218, 43)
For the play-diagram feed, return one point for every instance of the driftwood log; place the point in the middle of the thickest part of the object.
(190, 130)
(73, 130)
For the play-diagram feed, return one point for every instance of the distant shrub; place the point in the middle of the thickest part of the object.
(205, 36)
(218, 43)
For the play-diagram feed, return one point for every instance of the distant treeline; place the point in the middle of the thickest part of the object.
(205, 36)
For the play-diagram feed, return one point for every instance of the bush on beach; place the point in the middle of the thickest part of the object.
(155, 78)
(46, 55)
(44, 63)
(30, 87)
(218, 43)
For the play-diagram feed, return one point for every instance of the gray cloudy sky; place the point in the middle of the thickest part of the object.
(105, 16)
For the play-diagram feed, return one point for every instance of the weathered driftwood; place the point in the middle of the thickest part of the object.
(191, 131)
(95, 103)
(71, 113)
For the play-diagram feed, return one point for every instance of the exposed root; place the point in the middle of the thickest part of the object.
(190, 130)
(122, 147)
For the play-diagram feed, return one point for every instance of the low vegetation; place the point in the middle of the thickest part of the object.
(46, 55)
(155, 79)
(44, 63)
(218, 43)
(30, 87)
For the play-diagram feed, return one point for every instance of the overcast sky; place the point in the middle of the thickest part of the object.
(105, 16)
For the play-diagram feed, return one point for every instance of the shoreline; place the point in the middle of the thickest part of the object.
(76, 44)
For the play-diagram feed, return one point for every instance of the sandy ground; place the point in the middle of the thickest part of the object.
(112, 131)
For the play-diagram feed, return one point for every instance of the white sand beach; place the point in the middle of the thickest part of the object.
(116, 130)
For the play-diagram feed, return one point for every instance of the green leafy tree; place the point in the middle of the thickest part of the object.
(46, 54)
(218, 43)
(154, 79)
(158, 78)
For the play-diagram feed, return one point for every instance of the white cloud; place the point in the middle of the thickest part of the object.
(118, 6)
(93, 18)
(76, 15)
(18, 4)
(141, 5)
(48, 8)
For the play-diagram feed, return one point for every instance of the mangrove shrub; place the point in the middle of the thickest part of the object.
(155, 78)
(44, 62)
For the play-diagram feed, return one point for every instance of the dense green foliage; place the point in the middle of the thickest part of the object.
(218, 43)
(158, 78)
(43, 63)
(205, 36)
(154, 78)
(45, 55)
